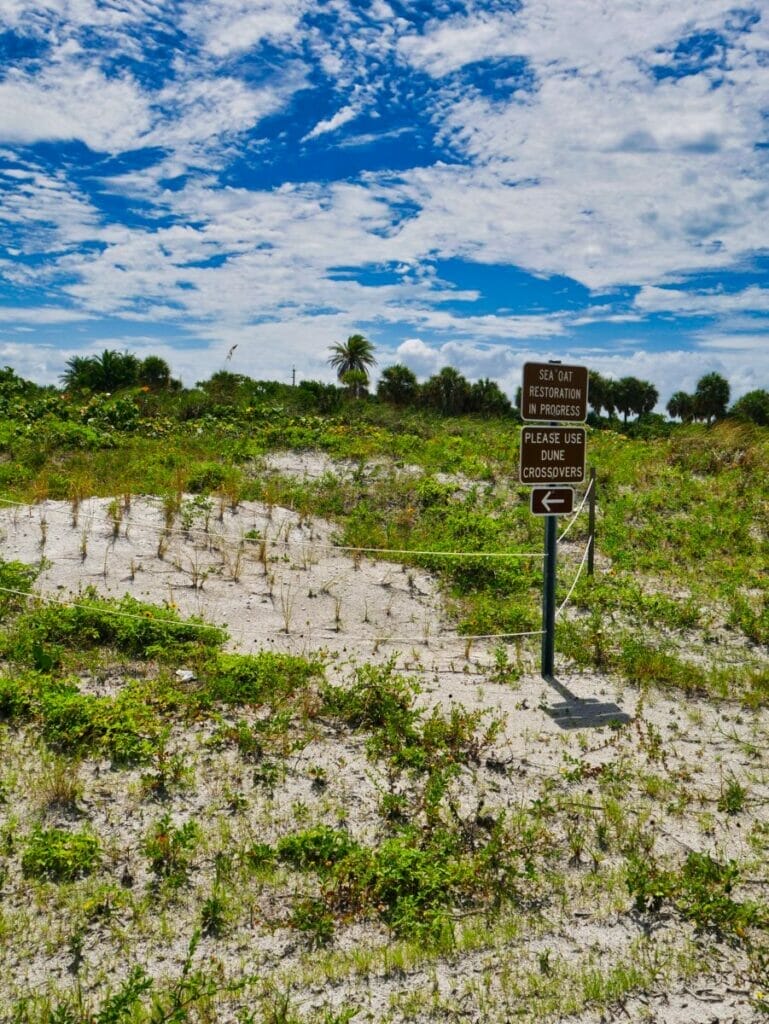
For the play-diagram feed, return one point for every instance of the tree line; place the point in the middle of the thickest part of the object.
(447, 392)
(451, 393)
(631, 396)
(113, 371)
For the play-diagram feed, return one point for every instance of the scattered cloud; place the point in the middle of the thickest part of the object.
(154, 170)
(735, 341)
(702, 303)
(332, 123)
(41, 315)
(227, 27)
(73, 99)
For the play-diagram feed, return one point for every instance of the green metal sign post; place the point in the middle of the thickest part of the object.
(548, 596)
(552, 455)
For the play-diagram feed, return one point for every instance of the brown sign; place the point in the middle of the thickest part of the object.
(552, 501)
(552, 455)
(552, 391)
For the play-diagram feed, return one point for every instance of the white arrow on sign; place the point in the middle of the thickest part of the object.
(551, 500)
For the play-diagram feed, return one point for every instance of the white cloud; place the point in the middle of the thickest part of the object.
(679, 370)
(200, 114)
(733, 342)
(451, 45)
(601, 171)
(669, 370)
(227, 27)
(620, 177)
(341, 117)
(64, 18)
(74, 101)
(72, 95)
(701, 303)
(585, 201)
(41, 315)
(591, 36)
(42, 214)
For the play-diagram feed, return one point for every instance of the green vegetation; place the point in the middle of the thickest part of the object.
(336, 820)
(438, 873)
(112, 371)
(700, 890)
(59, 855)
(664, 497)
(169, 849)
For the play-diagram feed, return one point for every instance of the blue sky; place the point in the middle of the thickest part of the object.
(467, 182)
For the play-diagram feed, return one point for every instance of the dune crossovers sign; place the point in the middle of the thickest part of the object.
(552, 455)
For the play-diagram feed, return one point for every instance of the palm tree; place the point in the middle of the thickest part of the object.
(487, 398)
(356, 381)
(110, 371)
(681, 406)
(79, 374)
(398, 385)
(632, 395)
(116, 370)
(447, 391)
(711, 397)
(155, 373)
(357, 353)
(598, 392)
(647, 398)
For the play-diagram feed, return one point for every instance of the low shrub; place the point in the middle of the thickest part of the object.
(17, 577)
(410, 882)
(170, 849)
(257, 678)
(122, 728)
(379, 699)
(60, 856)
(15, 699)
(318, 848)
(700, 890)
(138, 629)
(313, 917)
(207, 476)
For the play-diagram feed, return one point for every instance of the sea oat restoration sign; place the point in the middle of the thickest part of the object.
(552, 391)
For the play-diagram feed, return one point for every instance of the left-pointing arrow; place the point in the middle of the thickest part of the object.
(551, 501)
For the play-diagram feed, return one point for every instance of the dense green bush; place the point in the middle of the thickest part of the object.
(258, 678)
(124, 728)
(701, 890)
(318, 848)
(60, 856)
(16, 581)
(137, 628)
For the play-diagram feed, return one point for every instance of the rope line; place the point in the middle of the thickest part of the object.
(421, 639)
(205, 627)
(576, 514)
(201, 626)
(576, 578)
(312, 545)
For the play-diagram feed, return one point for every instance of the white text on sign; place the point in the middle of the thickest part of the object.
(551, 391)
(553, 455)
